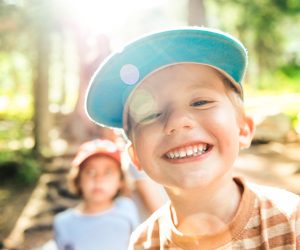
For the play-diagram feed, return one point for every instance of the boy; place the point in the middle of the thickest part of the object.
(103, 220)
(178, 96)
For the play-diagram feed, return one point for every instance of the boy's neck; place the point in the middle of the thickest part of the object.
(206, 212)
(91, 207)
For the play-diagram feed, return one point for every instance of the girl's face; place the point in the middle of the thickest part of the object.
(100, 180)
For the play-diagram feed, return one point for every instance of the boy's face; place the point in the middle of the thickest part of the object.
(100, 179)
(184, 128)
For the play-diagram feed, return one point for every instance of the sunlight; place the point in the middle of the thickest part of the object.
(4, 102)
(101, 15)
(21, 101)
(298, 124)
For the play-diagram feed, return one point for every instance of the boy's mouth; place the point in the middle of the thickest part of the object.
(188, 151)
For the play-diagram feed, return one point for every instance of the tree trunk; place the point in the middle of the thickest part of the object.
(197, 13)
(41, 90)
(78, 128)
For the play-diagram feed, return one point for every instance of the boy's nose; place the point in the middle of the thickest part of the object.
(178, 120)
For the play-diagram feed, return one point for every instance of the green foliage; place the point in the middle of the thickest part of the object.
(15, 87)
(288, 6)
(291, 70)
(14, 110)
(264, 27)
(30, 171)
(286, 79)
(294, 118)
(14, 130)
(19, 166)
(277, 83)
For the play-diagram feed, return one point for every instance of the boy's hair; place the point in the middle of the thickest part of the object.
(234, 95)
(87, 150)
(120, 74)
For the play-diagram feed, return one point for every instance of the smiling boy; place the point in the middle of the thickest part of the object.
(178, 96)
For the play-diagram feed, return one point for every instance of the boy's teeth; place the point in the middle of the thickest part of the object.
(200, 148)
(182, 153)
(187, 152)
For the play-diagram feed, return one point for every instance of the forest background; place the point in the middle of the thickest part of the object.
(50, 48)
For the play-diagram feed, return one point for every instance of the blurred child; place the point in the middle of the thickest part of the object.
(104, 219)
(178, 96)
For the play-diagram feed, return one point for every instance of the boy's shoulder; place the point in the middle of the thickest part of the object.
(275, 198)
(275, 206)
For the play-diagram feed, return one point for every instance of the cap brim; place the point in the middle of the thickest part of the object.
(111, 85)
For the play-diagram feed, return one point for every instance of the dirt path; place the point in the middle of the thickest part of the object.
(12, 200)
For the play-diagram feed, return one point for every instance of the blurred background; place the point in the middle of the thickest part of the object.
(50, 48)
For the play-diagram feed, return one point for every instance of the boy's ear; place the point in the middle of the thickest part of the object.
(133, 156)
(246, 132)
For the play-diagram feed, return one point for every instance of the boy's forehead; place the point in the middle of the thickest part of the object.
(186, 72)
(164, 82)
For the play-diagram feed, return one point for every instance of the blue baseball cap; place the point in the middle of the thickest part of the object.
(121, 72)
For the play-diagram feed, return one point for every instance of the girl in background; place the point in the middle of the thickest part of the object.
(104, 219)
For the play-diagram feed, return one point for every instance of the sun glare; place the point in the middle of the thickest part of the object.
(4, 102)
(102, 15)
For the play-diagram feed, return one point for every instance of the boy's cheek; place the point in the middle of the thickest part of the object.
(131, 129)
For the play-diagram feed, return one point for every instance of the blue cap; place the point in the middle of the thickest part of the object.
(121, 72)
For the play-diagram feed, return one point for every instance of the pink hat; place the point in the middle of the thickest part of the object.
(96, 147)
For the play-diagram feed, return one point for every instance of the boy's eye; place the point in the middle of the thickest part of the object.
(200, 103)
(150, 117)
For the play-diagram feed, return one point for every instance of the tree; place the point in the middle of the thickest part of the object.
(196, 13)
(78, 128)
(40, 92)
(41, 24)
(260, 28)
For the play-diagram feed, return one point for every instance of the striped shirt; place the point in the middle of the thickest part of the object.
(267, 218)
